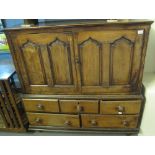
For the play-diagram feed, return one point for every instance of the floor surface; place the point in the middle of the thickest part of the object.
(148, 121)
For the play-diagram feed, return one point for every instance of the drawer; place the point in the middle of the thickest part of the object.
(109, 121)
(41, 105)
(79, 106)
(55, 120)
(120, 107)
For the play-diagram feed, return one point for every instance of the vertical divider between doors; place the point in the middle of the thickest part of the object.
(77, 67)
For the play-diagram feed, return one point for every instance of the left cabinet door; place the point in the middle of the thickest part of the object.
(46, 62)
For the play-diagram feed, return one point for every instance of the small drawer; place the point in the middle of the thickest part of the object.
(79, 106)
(109, 121)
(41, 105)
(120, 107)
(55, 120)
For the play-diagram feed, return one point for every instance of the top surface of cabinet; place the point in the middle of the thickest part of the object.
(80, 22)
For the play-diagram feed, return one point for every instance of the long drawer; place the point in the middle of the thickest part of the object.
(79, 106)
(120, 107)
(56, 120)
(109, 121)
(41, 105)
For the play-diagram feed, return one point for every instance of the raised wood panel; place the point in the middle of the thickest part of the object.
(32, 58)
(90, 62)
(47, 66)
(60, 58)
(121, 56)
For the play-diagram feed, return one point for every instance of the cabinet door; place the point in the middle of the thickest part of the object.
(46, 63)
(108, 61)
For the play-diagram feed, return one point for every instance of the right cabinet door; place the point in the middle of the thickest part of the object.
(108, 61)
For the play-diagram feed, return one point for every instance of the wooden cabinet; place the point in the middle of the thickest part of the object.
(83, 75)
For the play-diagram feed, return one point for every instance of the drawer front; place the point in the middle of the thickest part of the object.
(120, 107)
(41, 105)
(109, 121)
(81, 106)
(55, 120)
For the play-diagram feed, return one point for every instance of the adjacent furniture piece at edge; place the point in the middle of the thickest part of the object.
(12, 114)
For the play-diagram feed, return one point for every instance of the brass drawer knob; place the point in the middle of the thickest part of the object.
(79, 108)
(125, 123)
(67, 123)
(120, 110)
(40, 107)
(38, 120)
(93, 122)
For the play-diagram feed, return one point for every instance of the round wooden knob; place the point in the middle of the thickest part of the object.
(40, 107)
(38, 120)
(79, 108)
(93, 123)
(120, 109)
(67, 123)
(125, 123)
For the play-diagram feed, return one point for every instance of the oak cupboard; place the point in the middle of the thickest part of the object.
(83, 75)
